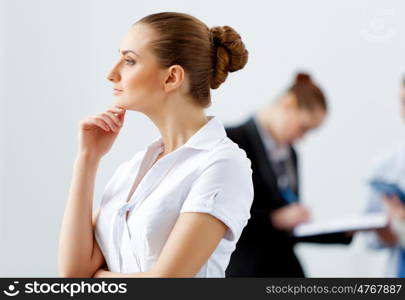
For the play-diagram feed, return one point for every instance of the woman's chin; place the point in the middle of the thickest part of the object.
(118, 102)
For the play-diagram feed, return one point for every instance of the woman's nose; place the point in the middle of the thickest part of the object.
(113, 76)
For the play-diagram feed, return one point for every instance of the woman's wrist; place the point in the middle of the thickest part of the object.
(88, 157)
(398, 227)
(387, 235)
(86, 163)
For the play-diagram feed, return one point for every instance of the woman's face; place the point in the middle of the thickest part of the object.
(137, 77)
(295, 122)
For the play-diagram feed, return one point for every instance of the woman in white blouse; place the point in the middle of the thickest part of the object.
(178, 207)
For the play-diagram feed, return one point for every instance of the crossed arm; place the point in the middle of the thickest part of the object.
(192, 240)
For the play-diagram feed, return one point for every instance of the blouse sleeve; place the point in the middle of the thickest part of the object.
(224, 189)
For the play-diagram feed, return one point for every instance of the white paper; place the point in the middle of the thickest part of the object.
(342, 224)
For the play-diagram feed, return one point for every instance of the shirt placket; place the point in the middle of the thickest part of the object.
(149, 183)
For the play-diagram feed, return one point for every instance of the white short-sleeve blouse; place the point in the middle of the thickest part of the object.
(208, 174)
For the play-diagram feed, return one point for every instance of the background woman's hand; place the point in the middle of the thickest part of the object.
(394, 206)
(97, 133)
(396, 211)
(289, 216)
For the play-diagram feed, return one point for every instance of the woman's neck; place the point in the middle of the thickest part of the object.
(266, 117)
(177, 121)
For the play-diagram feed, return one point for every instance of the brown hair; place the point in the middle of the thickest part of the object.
(207, 55)
(309, 95)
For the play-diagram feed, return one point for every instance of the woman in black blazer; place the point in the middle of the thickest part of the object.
(265, 248)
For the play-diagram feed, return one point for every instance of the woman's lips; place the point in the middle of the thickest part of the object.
(115, 91)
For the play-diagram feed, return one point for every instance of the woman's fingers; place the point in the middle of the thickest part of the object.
(115, 109)
(101, 123)
(118, 112)
(109, 120)
(105, 125)
(115, 118)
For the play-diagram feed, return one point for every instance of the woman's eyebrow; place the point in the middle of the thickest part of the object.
(127, 51)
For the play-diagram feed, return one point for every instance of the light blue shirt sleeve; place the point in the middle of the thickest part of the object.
(384, 168)
(389, 167)
(374, 205)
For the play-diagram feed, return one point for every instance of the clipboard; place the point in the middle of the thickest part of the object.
(342, 224)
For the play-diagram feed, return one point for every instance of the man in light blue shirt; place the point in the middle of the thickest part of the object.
(390, 168)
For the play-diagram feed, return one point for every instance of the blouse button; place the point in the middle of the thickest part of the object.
(123, 210)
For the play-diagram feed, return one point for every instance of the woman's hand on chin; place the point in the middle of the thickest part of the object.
(97, 133)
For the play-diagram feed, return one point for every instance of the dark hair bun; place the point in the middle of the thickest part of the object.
(303, 78)
(309, 94)
(230, 53)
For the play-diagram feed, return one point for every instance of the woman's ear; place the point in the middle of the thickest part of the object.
(174, 78)
(289, 101)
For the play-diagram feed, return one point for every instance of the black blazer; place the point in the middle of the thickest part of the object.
(262, 250)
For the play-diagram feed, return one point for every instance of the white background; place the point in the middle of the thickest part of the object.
(55, 55)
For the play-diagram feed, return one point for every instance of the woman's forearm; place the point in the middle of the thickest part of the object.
(103, 273)
(76, 235)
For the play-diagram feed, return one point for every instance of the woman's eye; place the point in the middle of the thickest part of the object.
(129, 62)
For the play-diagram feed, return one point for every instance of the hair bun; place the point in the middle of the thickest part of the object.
(230, 53)
(303, 78)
